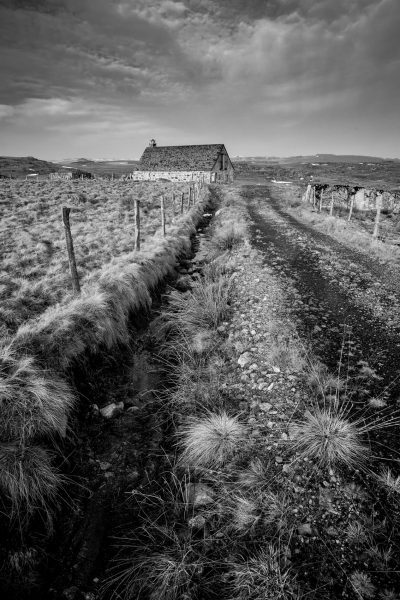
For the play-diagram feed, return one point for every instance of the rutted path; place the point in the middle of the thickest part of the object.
(339, 298)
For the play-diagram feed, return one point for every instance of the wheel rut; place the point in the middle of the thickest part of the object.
(335, 312)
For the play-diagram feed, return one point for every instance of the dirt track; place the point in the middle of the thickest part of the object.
(342, 300)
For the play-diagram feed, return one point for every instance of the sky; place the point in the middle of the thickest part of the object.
(100, 78)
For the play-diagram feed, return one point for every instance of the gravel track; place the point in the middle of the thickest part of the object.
(341, 299)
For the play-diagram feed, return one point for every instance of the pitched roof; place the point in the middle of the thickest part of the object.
(180, 158)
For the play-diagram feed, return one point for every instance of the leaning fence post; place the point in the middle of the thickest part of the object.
(137, 224)
(351, 205)
(189, 197)
(163, 214)
(378, 215)
(331, 208)
(70, 249)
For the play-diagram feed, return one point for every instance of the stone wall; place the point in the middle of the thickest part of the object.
(205, 176)
(363, 198)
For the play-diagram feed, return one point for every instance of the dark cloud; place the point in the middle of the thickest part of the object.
(199, 68)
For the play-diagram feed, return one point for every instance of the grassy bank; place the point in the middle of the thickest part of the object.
(34, 271)
(36, 396)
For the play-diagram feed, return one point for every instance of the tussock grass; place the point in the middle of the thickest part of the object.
(27, 478)
(362, 585)
(196, 379)
(321, 381)
(388, 594)
(32, 402)
(205, 306)
(160, 558)
(210, 441)
(329, 440)
(229, 235)
(262, 513)
(256, 476)
(217, 268)
(335, 434)
(261, 577)
(390, 482)
(356, 533)
(166, 575)
(284, 350)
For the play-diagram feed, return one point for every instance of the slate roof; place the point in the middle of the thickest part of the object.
(180, 158)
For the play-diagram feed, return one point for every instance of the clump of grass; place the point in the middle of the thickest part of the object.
(196, 378)
(155, 560)
(32, 402)
(246, 514)
(388, 594)
(27, 478)
(261, 577)
(284, 350)
(329, 439)
(362, 584)
(321, 381)
(390, 481)
(255, 476)
(23, 560)
(228, 237)
(356, 533)
(380, 557)
(164, 575)
(215, 269)
(203, 307)
(267, 512)
(211, 441)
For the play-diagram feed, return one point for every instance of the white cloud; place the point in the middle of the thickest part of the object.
(51, 107)
(6, 111)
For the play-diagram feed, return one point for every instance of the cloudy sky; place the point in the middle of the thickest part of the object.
(99, 78)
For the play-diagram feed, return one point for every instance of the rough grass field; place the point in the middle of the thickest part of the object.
(34, 269)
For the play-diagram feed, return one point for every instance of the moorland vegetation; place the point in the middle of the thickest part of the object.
(34, 271)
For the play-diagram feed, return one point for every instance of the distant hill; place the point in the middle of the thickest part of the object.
(334, 158)
(102, 167)
(354, 170)
(20, 166)
(317, 158)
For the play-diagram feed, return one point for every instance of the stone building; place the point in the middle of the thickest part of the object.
(207, 162)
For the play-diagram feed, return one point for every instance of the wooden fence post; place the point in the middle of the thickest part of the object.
(351, 206)
(173, 203)
(189, 197)
(331, 208)
(378, 215)
(313, 192)
(321, 195)
(182, 202)
(137, 224)
(70, 249)
(163, 214)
